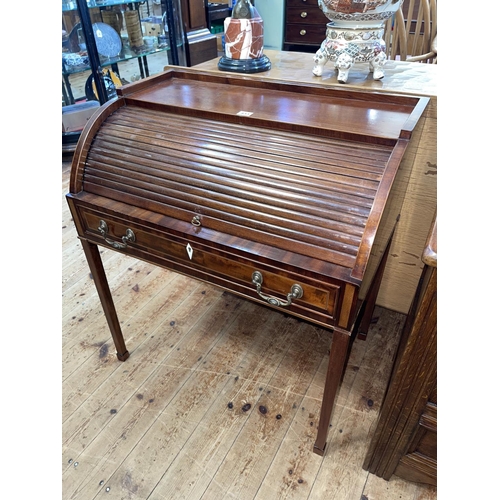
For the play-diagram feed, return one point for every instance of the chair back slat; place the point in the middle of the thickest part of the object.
(411, 39)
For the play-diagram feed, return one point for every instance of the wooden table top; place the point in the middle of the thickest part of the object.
(401, 77)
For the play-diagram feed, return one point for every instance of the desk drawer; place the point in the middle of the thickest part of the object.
(190, 256)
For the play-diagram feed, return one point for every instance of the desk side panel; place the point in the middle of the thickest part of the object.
(418, 208)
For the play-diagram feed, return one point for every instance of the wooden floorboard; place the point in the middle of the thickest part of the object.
(170, 423)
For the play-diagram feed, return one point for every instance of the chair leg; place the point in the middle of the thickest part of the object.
(96, 268)
(336, 364)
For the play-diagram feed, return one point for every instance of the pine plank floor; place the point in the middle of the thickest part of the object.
(158, 426)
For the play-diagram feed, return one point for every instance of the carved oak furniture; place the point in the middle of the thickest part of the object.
(274, 191)
(405, 439)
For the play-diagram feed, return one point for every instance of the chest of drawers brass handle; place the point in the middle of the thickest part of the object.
(303, 32)
(303, 14)
(296, 292)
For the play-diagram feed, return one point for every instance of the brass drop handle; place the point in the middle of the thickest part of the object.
(303, 32)
(196, 220)
(296, 292)
(303, 15)
(128, 238)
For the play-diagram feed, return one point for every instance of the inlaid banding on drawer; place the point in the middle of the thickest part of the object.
(319, 297)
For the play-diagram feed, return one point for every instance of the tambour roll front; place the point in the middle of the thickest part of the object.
(274, 191)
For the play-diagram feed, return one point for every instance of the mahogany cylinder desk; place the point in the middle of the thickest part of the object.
(275, 191)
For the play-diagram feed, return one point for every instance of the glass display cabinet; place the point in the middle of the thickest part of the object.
(108, 43)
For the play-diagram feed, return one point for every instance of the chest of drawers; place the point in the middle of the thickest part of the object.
(305, 24)
(272, 190)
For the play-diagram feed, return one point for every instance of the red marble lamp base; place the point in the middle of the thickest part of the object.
(244, 65)
(244, 42)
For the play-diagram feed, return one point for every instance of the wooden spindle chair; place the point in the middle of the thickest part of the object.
(413, 39)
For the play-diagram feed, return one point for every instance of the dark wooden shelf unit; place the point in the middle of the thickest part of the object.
(305, 25)
(201, 45)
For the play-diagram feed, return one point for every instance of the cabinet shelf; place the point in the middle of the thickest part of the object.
(100, 44)
(80, 51)
(125, 55)
(69, 5)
